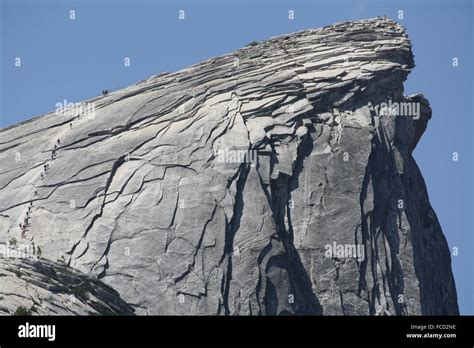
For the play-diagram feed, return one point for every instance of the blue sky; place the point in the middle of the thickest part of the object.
(77, 59)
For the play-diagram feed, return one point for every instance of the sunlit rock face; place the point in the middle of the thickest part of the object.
(278, 179)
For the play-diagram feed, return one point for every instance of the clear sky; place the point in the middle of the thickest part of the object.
(76, 59)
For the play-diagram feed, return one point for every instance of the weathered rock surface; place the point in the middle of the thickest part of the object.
(149, 194)
(40, 287)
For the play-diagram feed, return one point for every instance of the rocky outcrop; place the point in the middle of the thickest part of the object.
(31, 286)
(278, 179)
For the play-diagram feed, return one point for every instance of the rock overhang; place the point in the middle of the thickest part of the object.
(151, 173)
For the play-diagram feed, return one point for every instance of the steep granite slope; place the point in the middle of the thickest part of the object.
(40, 287)
(327, 213)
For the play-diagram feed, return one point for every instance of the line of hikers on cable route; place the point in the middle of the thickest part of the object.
(26, 220)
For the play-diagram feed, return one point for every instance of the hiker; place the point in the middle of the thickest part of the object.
(42, 175)
(70, 124)
(36, 193)
(59, 141)
(20, 224)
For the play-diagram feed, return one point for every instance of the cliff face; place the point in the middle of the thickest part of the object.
(277, 179)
